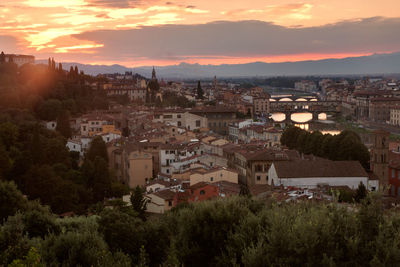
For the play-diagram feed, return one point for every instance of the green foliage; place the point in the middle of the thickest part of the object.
(237, 231)
(172, 99)
(11, 200)
(77, 249)
(30, 260)
(139, 202)
(345, 146)
(199, 91)
(361, 192)
(63, 126)
(97, 149)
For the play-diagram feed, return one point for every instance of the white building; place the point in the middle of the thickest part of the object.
(75, 145)
(50, 125)
(312, 174)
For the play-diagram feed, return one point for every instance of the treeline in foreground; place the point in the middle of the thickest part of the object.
(229, 232)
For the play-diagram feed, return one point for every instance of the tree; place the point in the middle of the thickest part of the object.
(2, 57)
(125, 131)
(32, 259)
(139, 202)
(63, 126)
(50, 109)
(100, 181)
(11, 200)
(97, 149)
(361, 192)
(200, 92)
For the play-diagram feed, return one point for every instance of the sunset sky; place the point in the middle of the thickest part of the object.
(152, 32)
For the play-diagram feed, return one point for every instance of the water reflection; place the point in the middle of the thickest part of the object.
(304, 126)
(332, 132)
(301, 117)
(278, 117)
(322, 116)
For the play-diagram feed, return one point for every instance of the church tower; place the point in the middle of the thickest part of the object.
(380, 157)
(153, 75)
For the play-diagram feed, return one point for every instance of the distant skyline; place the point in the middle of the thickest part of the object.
(151, 32)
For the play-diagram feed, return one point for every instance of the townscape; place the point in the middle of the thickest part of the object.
(126, 169)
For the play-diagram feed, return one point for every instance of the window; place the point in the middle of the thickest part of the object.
(198, 123)
(258, 177)
(167, 170)
(211, 179)
(167, 116)
(179, 124)
(179, 116)
(202, 192)
(170, 203)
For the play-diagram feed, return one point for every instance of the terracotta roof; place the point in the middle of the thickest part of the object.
(165, 194)
(227, 187)
(198, 185)
(162, 182)
(319, 168)
(259, 189)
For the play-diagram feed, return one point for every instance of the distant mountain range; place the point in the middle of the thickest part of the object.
(374, 64)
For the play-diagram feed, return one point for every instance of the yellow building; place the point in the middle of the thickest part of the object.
(138, 168)
(213, 175)
(160, 202)
(110, 128)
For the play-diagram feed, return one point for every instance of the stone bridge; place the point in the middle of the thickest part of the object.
(313, 107)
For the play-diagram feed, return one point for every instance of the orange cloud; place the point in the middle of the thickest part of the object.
(40, 25)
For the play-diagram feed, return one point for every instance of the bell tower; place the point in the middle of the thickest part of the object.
(380, 157)
(153, 75)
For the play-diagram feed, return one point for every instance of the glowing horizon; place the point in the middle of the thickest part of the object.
(70, 30)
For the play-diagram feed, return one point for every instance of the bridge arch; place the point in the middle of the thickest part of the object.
(302, 117)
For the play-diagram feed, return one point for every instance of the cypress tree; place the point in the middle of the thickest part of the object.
(97, 149)
(2, 57)
(139, 202)
(200, 92)
(63, 126)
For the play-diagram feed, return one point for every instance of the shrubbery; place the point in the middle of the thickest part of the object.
(235, 231)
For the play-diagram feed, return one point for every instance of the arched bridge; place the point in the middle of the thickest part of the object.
(296, 106)
(315, 108)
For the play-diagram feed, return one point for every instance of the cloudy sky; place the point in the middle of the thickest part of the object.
(153, 32)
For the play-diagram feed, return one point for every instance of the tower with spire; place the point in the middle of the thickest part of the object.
(153, 75)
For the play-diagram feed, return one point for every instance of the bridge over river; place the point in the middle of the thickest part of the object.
(314, 108)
